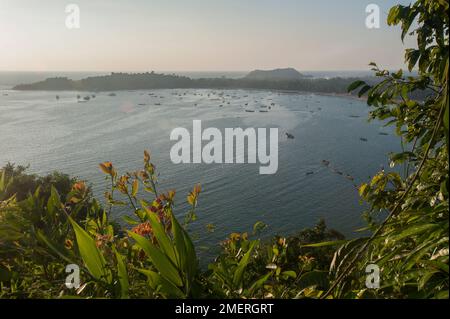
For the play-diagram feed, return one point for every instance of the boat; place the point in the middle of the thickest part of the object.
(290, 136)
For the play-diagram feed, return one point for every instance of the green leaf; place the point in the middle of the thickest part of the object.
(91, 255)
(54, 202)
(289, 273)
(180, 243)
(314, 278)
(10, 232)
(326, 243)
(412, 56)
(258, 283)
(355, 85)
(135, 188)
(187, 254)
(163, 240)
(2, 181)
(160, 284)
(123, 275)
(130, 220)
(159, 259)
(239, 273)
(40, 236)
(414, 230)
(394, 15)
(363, 90)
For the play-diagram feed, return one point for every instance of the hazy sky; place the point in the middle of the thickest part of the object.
(202, 35)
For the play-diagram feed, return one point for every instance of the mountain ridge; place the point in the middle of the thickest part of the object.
(280, 74)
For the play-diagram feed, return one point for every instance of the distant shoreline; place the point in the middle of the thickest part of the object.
(300, 92)
(280, 80)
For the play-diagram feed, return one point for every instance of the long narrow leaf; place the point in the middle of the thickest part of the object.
(159, 259)
(91, 255)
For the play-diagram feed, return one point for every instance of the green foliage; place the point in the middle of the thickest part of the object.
(23, 184)
(411, 244)
(153, 257)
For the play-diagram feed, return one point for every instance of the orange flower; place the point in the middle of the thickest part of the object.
(197, 189)
(122, 184)
(79, 191)
(107, 168)
(192, 197)
(143, 229)
(170, 195)
(79, 187)
(146, 156)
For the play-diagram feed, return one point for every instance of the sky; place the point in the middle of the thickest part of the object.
(196, 35)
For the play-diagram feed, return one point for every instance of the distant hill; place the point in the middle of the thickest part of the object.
(280, 79)
(287, 74)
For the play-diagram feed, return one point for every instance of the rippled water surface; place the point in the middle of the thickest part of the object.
(73, 137)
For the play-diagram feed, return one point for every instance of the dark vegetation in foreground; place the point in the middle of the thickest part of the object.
(45, 225)
(38, 242)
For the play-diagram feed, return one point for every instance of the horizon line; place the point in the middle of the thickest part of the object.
(174, 71)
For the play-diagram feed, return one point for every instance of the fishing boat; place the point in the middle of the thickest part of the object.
(290, 136)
